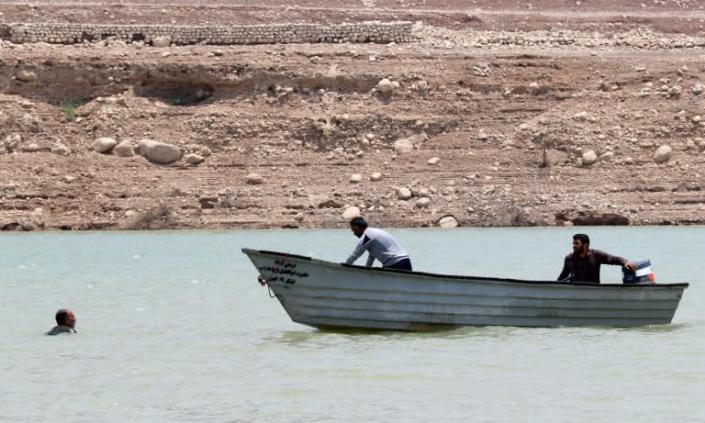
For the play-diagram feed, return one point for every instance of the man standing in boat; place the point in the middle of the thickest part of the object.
(380, 245)
(583, 264)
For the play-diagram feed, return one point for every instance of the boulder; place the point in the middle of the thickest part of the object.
(697, 89)
(556, 157)
(163, 41)
(607, 156)
(589, 157)
(404, 194)
(662, 154)
(675, 91)
(593, 218)
(385, 86)
(104, 145)
(448, 222)
(580, 116)
(351, 212)
(11, 142)
(355, 178)
(254, 179)
(144, 145)
(26, 76)
(326, 203)
(376, 177)
(60, 149)
(422, 203)
(433, 161)
(159, 152)
(407, 145)
(421, 86)
(124, 149)
(194, 159)
(32, 147)
(36, 217)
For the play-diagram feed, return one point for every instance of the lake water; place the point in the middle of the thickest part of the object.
(173, 326)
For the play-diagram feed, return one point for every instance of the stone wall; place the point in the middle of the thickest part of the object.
(66, 33)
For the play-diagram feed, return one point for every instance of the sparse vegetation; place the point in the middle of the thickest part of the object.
(177, 101)
(69, 108)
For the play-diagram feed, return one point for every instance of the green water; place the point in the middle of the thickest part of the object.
(173, 326)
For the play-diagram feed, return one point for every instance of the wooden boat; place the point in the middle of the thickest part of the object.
(324, 294)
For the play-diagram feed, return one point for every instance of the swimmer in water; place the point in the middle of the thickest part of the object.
(65, 322)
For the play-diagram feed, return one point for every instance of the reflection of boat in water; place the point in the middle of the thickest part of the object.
(325, 294)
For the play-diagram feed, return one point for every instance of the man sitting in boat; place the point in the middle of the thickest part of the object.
(583, 264)
(380, 245)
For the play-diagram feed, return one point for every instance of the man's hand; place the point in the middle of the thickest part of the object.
(630, 265)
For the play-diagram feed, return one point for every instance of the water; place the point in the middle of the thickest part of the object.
(174, 327)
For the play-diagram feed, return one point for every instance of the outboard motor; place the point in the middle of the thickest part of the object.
(643, 274)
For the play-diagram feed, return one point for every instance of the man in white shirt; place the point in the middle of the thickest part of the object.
(380, 245)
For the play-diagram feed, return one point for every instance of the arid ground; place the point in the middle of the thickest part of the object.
(540, 112)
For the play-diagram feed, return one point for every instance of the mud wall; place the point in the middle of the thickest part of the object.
(66, 33)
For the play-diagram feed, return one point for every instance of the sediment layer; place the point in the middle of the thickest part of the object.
(69, 33)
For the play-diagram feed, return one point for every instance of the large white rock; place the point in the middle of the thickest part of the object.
(385, 86)
(580, 116)
(662, 154)
(407, 145)
(124, 149)
(404, 194)
(422, 203)
(433, 161)
(104, 145)
(144, 145)
(26, 76)
(12, 141)
(448, 222)
(355, 178)
(351, 212)
(193, 158)
(607, 156)
(376, 177)
(159, 152)
(164, 41)
(589, 157)
(254, 179)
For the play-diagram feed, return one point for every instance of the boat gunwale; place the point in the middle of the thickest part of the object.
(466, 278)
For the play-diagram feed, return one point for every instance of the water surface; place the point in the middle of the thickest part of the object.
(173, 326)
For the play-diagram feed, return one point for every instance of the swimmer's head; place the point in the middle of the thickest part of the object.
(65, 317)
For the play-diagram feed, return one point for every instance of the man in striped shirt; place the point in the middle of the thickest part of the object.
(380, 245)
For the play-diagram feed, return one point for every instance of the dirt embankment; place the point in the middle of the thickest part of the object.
(539, 126)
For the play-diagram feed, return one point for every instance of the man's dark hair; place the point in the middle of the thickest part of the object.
(358, 221)
(582, 238)
(61, 316)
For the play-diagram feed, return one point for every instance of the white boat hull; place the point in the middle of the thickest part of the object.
(324, 294)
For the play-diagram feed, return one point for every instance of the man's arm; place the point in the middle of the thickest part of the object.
(605, 258)
(370, 260)
(358, 251)
(565, 272)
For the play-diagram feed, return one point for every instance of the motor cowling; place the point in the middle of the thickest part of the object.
(644, 273)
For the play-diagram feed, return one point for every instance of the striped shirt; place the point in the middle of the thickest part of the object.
(380, 245)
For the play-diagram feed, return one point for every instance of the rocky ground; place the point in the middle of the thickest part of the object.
(503, 113)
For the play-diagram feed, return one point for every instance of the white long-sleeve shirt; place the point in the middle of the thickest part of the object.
(380, 245)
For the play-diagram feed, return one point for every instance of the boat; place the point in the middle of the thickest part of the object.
(324, 294)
